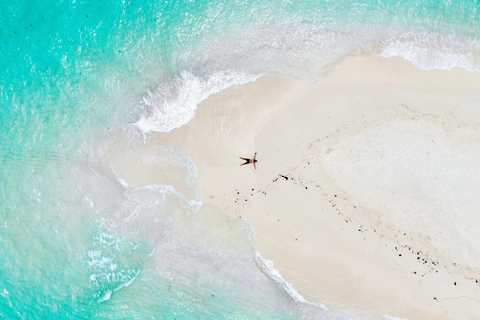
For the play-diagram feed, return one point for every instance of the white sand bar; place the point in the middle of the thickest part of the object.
(367, 190)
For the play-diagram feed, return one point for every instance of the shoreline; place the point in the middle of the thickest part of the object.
(350, 211)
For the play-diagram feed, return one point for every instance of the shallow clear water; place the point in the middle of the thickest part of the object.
(75, 243)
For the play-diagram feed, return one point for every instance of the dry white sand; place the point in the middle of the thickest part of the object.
(367, 190)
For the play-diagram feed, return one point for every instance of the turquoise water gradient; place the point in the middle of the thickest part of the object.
(72, 71)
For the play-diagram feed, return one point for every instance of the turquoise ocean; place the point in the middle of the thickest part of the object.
(76, 243)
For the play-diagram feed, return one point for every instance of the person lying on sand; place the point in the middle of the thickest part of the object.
(247, 161)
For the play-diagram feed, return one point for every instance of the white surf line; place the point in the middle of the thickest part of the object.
(266, 266)
(128, 283)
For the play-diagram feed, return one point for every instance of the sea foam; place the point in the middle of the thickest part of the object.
(435, 51)
(173, 104)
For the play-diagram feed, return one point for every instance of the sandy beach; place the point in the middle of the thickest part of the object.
(366, 190)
